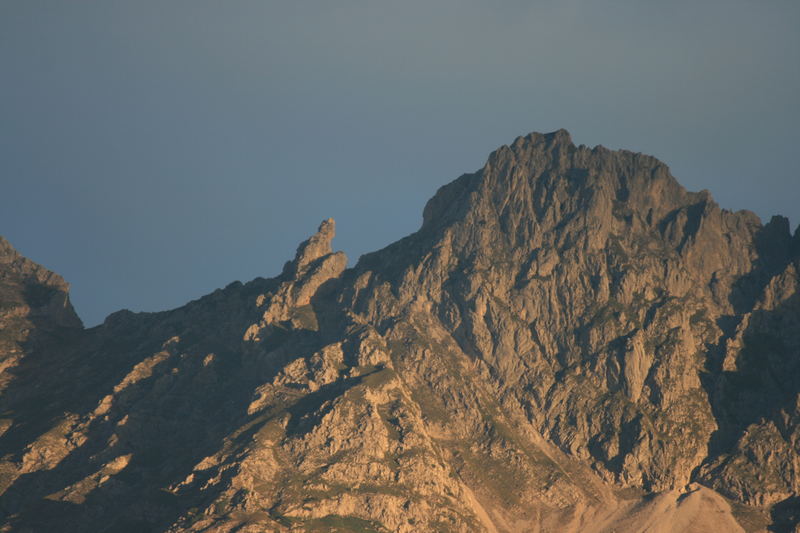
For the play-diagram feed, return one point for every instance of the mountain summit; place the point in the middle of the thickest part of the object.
(570, 342)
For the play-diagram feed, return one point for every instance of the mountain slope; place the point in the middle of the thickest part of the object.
(570, 342)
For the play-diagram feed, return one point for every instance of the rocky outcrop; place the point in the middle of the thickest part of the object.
(314, 265)
(30, 291)
(571, 342)
(34, 311)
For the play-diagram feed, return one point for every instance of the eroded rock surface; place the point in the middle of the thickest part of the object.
(570, 342)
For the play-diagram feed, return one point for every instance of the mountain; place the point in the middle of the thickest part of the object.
(570, 342)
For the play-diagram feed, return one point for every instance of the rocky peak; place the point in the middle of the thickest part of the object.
(554, 139)
(34, 289)
(6, 249)
(545, 178)
(15, 264)
(314, 265)
(315, 247)
(579, 270)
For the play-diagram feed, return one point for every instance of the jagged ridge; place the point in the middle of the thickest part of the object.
(569, 331)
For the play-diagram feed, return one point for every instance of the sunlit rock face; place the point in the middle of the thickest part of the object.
(570, 342)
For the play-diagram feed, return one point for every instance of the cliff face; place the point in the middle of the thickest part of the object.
(570, 342)
(34, 310)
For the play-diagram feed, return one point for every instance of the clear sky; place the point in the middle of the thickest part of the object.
(152, 151)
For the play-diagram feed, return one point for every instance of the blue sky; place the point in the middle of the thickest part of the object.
(151, 152)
